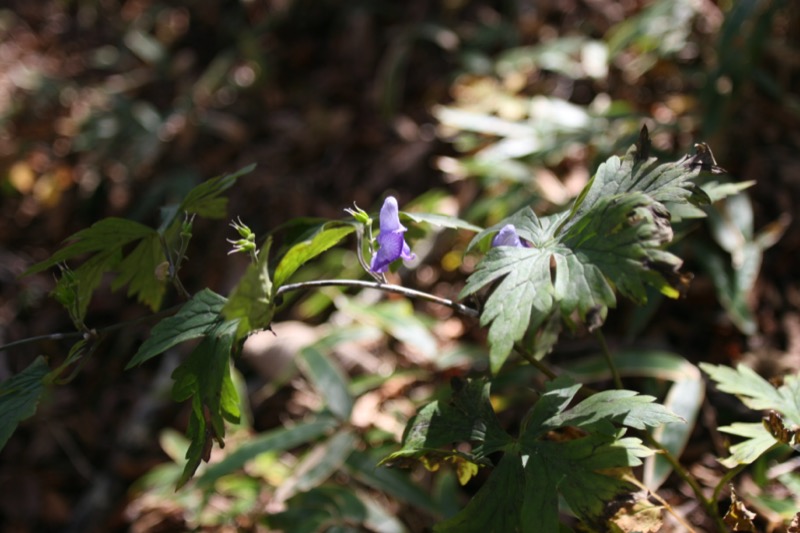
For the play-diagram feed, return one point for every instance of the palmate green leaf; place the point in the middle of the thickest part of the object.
(522, 492)
(106, 240)
(756, 393)
(102, 236)
(684, 398)
(616, 244)
(667, 183)
(610, 240)
(581, 471)
(496, 507)
(19, 396)
(329, 235)
(138, 272)
(205, 377)
(195, 319)
(466, 417)
(251, 302)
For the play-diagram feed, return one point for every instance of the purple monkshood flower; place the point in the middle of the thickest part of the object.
(507, 236)
(392, 245)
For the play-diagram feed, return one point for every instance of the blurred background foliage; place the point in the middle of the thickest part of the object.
(464, 107)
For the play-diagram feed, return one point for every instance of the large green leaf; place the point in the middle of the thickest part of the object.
(611, 239)
(195, 319)
(205, 377)
(104, 242)
(19, 396)
(496, 507)
(329, 235)
(579, 470)
(617, 243)
(667, 183)
(466, 417)
(685, 397)
(522, 492)
(251, 301)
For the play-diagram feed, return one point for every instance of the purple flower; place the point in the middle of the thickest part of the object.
(391, 243)
(507, 236)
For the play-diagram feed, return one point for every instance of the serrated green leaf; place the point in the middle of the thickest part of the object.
(756, 392)
(102, 236)
(619, 406)
(757, 443)
(611, 238)
(443, 221)
(573, 470)
(685, 397)
(19, 397)
(634, 172)
(328, 380)
(138, 271)
(466, 417)
(543, 416)
(251, 300)
(585, 471)
(205, 199)
(497, 505)
(521, 300)
(195, 319)
(304, 251)
(276, 440)
(617, 243)
(205, 377)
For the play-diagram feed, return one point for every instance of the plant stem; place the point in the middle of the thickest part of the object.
(609, 359)
(397, 289)
(91, 332)
(540, 366)
(729, 475)
(708, 504)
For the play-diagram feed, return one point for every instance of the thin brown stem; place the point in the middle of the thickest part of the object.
(397, 289)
